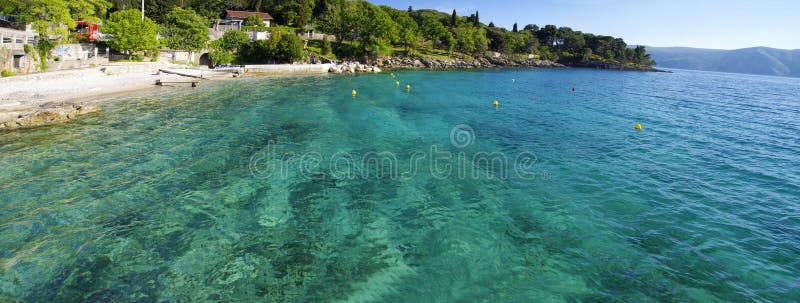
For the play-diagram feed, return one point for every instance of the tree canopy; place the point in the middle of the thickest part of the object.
(361, 27)
(129, 33)
(185, 29)
(50, 17)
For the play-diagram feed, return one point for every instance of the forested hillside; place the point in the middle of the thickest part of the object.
(756, 60)
(361, 28)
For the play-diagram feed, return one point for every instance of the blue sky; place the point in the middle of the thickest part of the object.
(698, 23)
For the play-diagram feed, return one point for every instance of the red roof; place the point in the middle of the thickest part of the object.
(243, 15)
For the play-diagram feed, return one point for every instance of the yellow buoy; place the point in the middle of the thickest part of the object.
(408, 87)
(638, 126)
(355, 93)
(397, 83)
(496, 104)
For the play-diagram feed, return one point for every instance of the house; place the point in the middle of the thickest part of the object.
(234, 20)
(14, 54)
(237, 17)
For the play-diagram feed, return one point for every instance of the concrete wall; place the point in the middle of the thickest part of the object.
(180, 56)
(77, 51)
(288, 68)
(317, 36)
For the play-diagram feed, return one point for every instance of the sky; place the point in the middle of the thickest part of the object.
(718, 24)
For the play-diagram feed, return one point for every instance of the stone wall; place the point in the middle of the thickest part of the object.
(6, 59)
(18, 62)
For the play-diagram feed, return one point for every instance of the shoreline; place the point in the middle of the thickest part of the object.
(49, 98)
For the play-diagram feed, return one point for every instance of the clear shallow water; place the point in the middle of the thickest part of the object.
(173, 195)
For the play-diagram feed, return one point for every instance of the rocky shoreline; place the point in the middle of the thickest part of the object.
(611, 66)
(376, 66)
(457, 63)
(49, 114)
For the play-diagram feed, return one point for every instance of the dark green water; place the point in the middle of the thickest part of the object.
(288, 189)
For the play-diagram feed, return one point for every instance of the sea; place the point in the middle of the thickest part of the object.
(412, 186)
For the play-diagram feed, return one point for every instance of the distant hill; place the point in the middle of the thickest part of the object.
(755, 60)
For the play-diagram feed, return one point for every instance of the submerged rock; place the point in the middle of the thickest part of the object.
(49, 114)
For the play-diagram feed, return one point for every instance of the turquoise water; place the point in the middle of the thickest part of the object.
(289, 189)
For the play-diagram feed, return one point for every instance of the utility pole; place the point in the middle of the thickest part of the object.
(142, 10)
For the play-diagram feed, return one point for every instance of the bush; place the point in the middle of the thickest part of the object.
(6, 73)
(44, 47)
(138, 58)
(283, 46)
(254, 20)
(290, 48)
(326, 46)
(27, 48)
(184, 29)
(226, 50)
(153, 54)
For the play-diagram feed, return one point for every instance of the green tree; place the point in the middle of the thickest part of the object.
(547, 35)
(533, 28)
(409, 35)
(129, 33)
(453, 19)
(209, 9)
(289, 48)
(497, 39)
(88, 10)
(531, 42)
(464, 37)
(156, 10)
(283, 46)
(253, 20)
(340, 20)
(471, 40)
(481, 42)
(586, 55)
(375, 30)
(514, 29)
(185, 30)
(448, 42)
(326, 46)
(292, 12)
(49, 17)
(226, 49)
(431, 29)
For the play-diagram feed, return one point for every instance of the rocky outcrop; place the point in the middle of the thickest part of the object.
(49, 114)
(495, 61)
(426, 63)
(614, 66)
(353, 67)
